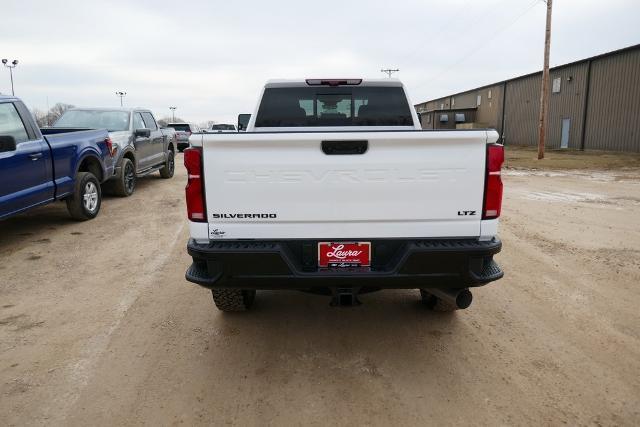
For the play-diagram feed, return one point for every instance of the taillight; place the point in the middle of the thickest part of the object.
(493, 182)
(110, 146)
(195, 185)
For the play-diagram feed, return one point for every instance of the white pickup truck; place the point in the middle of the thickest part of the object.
(334, 188)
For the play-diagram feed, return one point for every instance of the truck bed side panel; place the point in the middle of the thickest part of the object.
(68, 150)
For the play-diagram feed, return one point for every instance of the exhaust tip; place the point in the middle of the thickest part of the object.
(464, 299)
(454, 298)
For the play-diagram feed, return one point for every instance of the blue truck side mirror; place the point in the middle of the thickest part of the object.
(7, 143)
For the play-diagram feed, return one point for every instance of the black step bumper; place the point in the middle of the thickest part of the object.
(395, 264)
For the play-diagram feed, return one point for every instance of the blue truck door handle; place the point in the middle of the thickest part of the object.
(35, 156)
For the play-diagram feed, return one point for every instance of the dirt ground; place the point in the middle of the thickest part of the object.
(527, 157)
(99, 327)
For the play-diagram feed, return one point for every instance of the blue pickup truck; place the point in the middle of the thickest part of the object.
(39, 166)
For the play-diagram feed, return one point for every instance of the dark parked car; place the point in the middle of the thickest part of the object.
(141, 146)
(39, 166)
(183, 132)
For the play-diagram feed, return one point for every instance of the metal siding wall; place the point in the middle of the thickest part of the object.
(613, 115)
(567, 104)
(451, 124)
(442, 103)
(425, 122)
(521, 110)
(470, 116)
(523, 107)
(465, 100)
(489, 109)
(612, 119)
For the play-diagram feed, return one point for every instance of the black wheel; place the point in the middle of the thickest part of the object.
(434, 303)
(233, 299)
(169, 167)
(124, 183)
(85, 202)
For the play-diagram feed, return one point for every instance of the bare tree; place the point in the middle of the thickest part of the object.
(58, 110)
(40, 117)
(47, 119)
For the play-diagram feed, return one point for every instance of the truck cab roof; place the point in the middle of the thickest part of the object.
(332, 82)
(124, 109)
(8, 98)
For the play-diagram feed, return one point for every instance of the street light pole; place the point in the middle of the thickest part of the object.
(173, 113)
(10, 67)
(121, 95)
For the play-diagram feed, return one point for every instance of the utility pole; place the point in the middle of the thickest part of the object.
(11, 67)
(544, 94)
(173, 113)
(389, 71)
(121, 95)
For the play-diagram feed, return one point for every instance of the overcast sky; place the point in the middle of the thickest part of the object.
(210, 58)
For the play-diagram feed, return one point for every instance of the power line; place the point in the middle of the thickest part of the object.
(475, 49)
(439, 32)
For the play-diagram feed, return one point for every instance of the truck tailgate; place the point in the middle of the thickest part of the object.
(420, 184)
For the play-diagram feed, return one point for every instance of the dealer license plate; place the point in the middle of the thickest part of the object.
(344, 254)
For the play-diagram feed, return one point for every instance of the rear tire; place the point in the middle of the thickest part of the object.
(233, 299)
(169, 167)
(434, 303)
(124, 184)
(86, 199)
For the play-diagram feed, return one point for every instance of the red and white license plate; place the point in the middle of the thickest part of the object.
(344, 254)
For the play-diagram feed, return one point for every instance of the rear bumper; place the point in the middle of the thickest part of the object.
(395, 263)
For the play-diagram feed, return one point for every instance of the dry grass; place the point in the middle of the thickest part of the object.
(527, 158)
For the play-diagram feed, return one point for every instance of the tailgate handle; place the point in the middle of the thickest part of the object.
(344, 147)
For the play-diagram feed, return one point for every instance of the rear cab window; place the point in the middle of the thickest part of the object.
(334, 106)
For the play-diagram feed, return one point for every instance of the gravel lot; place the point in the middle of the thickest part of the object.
(99, 327)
